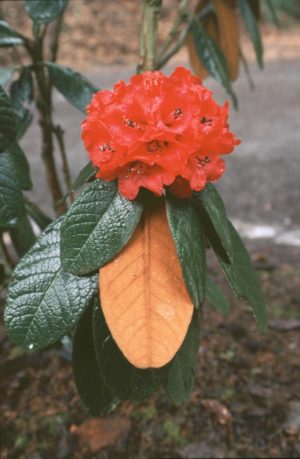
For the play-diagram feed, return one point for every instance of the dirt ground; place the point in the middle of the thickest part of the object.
(245, 402)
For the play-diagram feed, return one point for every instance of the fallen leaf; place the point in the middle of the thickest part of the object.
(98, 433)
(292, 424)
(143, 294)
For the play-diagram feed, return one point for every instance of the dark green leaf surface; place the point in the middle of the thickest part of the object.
(188, 237)
(179, 374)
(124, 380)
(44, 303)
(72, 85)
(242, 277)
(21, 165)
(253, 29)
(11, 199)
(21, 91)
(41, 219)
(85, 175)
(212, 204)
(216, 297)
(8, 37)
(22, 235)
(89, 382)
(8, 123)
(44, 11)
(98, 225)
(212, 57)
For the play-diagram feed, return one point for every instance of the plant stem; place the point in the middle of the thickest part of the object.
(150, 16)
(180, 18)
(66, 169)
(44, 107)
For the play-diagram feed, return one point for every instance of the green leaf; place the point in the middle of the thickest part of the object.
(44, 303)
(242, 277)
(124, 380)
(253, 29)
(271, 12)
(216, 297)
(6, 74)
(11, 199)
(41, 219)
(21, 91)
(179, 374)
(21, 165)
(212, 57)
(75, 88)
(97, 226)
(213, 213)
(85, 175)
(89, 382)
(188, 237)
(22, 235)
(88, 171)
(8, 123)
(8, 36)
(44, 11)
(23, 124)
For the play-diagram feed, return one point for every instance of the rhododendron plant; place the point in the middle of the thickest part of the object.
(123, 268)
(158, 131)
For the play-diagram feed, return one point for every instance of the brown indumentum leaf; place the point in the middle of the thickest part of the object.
(143, 294)
(222, 26)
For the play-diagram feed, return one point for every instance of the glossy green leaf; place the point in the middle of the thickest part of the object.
(212, 57)
(213, 213)
(44, 11)
(88, 171)
(11, 199)
(75, 88)
(216, 297)
(84, 176)
(21, 91)
(179, 374)
(21, 165)
(253, 29)
(8, 123)
(44, 303)
(41, 219)
(23, 123)
(186, 229)
(98, 225)
(88, 378)
(8, 36)
(241, 276)
(124, 380)
(22, 235)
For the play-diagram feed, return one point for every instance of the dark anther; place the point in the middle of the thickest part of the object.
(206, 120)
(106, 147)
(177, 113)
(155, 145)
(203, 161)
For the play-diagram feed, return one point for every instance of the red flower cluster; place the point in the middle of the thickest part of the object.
(158, 131)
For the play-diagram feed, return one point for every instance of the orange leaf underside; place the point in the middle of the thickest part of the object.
(223, 27)
(143, 296)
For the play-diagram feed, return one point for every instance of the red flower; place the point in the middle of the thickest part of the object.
(158, 131)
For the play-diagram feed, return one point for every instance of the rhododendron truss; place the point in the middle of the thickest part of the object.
(158, 131)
